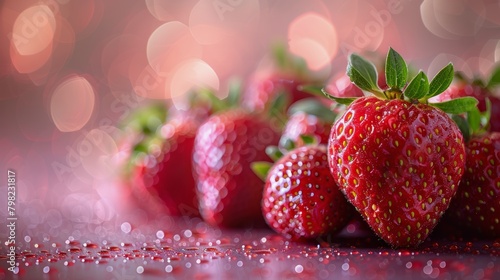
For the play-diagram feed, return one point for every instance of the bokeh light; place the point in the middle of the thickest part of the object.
(99, 154)
(170, 44)
(191, 75)
(72, 103)
(211, 21)
(33, 30)
(314, 38)
(453, 19)
(72, 71)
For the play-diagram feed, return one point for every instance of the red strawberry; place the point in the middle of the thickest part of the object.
(301, 199)
(308, 117)
(166, 172)
(476, 206)
(397, 159)
(229, 192)
(477, 202)
(286, 77)
(481, 91)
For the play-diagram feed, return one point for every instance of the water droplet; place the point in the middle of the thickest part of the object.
(27, 238)
(168, 268)
(46, 269)
(126, 227)
(299, 268)
(345, 266)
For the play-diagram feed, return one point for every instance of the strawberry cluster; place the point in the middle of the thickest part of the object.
(403, 152)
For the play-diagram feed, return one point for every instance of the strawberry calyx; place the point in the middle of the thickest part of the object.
(261, 168)
(417, 90)
(474, 122)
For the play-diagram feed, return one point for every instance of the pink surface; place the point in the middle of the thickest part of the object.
(71, 71)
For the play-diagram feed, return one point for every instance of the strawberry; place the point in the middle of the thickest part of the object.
(479, 89)
(307, 117)
(229, 192)
(397, 158)
(163, 166)
(301, 199)
(286, 76)
(477, 202)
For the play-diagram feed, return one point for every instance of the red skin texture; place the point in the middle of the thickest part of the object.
(480, 93)
(302, 123)
(170, 178)
(476, 206)
(301, 199)
(399, 164)
(228, 190)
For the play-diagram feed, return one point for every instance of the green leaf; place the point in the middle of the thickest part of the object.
(494, 79)
(418, 86)
(286, 143)
(457, 105)
(308, 139)
(362, 73)
(463, 126)
(313, 106)
(274, 152)
(280, 56)
(312, 89)
(340, 100)
(234, 93)
(486, 115)
(261, 168)
(474, 119)
(441, 81)
(396, 71)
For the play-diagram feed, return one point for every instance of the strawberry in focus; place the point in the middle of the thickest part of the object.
(398, 159)
(229, 192)
(301, 200)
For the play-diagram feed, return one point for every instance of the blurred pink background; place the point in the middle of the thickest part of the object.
(71, 70)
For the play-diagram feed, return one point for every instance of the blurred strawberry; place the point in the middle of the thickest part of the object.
(160, 163)
(479, 89)
(286, 76)
(166, 171)
(308, 117)
(229, 192)
(476, 205)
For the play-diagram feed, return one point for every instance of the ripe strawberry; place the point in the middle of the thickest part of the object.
(229, 192)
(301, 199)
(165, 169)
(477, 202)
(286, 76)
(479, 89)
(308, 117)
(398, 159)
